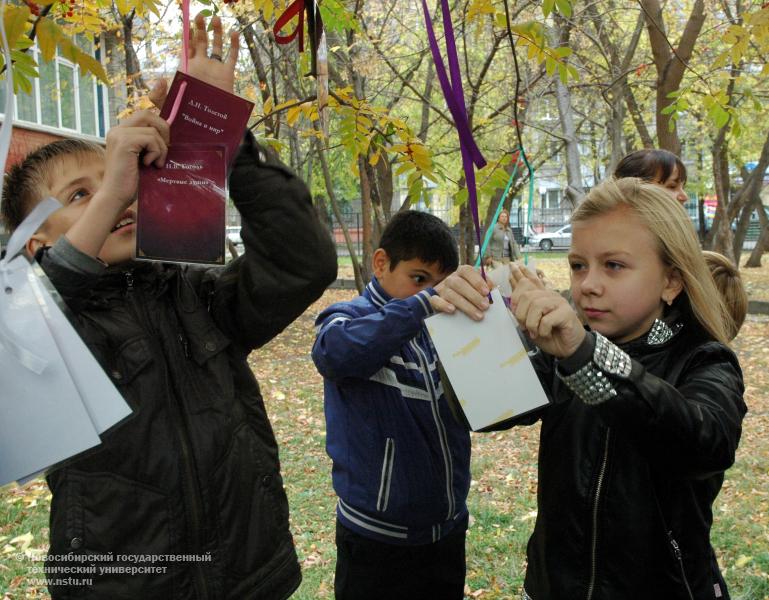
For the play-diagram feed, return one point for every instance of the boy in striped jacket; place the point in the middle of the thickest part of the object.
(401, 461)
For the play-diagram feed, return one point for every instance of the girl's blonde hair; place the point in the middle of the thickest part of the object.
(727, 278)
(676, 240)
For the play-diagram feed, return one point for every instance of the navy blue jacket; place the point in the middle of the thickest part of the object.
(401, 460)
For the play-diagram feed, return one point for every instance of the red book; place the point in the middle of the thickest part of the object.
(181, 207)
(206, 114)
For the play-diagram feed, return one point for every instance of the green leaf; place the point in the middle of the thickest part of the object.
(550, 65)
(336, 17)
(721, 117)
(24, 71)
(563, 73)
(461, 197)
(547, 7)
(564, 7)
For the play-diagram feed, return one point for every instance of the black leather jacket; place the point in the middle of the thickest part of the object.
(185, 499)
(621, 483)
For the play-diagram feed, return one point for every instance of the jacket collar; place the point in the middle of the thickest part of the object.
(662, 332)
(376, 294)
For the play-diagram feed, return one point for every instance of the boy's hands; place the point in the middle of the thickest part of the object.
(141, 137)
(465, 290)
(544, 314)
(144, 137)
(201, 65)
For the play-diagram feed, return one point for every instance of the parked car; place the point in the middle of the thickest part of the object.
(560, 238)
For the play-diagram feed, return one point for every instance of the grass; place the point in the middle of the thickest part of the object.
(503, 491)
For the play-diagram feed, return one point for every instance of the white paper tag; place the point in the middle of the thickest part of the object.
(487, 364)
(42, 418)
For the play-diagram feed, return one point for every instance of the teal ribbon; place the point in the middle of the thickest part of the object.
(490, 232)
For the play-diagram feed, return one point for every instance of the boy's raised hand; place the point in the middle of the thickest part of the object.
(215, 68)
(465, 290)
(144, 137)
(141, 137)
(544, 314)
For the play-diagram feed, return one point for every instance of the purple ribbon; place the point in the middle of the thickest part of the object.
(454, 94)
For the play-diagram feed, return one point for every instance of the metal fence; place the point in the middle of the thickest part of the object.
(542, 219)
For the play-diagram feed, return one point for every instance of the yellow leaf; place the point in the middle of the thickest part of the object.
(742, 561)
(67, 49)
(93, 66)
(15, 20)
(48, 34)
(267, 108)
(22, 541)
(292, 115)
(122, 6)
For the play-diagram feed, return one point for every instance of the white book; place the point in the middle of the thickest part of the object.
(487, 364)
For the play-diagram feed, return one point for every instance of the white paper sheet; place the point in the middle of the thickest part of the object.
(103, 402)
(487, 364)
(42, 418)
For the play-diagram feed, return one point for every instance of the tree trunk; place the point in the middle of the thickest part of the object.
(487, 221)
(384, 179)
(761, 244)
(116, 70)
(638, 120)
(670, 65)
(742, 229)
(134, 81)
(261, 73)
(574, 189)
(366, 219)
(360, 282)
(722, 241)
(466, 236)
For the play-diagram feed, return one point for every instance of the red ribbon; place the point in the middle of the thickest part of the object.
(295, 9)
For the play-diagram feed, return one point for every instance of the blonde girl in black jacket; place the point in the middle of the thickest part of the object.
(646, 406)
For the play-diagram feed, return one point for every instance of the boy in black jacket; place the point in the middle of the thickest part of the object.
(185, 499)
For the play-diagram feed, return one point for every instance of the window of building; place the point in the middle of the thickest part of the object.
(64, 97)
(551, 198)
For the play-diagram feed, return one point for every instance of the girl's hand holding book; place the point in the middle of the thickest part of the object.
(544, 314)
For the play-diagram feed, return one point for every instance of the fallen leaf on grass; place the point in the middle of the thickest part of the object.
(742, 561)
(22, 541)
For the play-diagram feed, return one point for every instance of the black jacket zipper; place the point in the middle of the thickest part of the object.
(193, 493)
(680, 559)
(594, 547)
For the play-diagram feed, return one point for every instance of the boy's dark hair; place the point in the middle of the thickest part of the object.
(22, 185)
(650, 165)
(413, 234)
